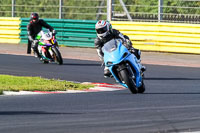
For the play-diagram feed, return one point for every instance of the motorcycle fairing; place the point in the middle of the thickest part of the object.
(117, 54)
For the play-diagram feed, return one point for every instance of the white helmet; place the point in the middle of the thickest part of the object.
(102, 28)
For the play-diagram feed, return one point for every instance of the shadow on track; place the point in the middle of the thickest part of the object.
(34, 113)
(157, 93)
(79, 64)
(172, 78)
(170, 93)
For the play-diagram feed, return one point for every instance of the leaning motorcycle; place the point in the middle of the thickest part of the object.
(48, 47)
(124, 66)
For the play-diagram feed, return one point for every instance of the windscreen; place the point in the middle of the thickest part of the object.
(110, 46)
(46, 34)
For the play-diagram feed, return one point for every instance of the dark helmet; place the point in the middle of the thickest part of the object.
(34, 16)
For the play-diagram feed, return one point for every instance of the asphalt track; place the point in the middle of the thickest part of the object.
(169, 104)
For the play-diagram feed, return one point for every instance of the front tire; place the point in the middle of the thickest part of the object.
(128, 81)
(58, 57)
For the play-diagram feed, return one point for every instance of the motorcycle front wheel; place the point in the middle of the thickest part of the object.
(58, 57)
(128, 81)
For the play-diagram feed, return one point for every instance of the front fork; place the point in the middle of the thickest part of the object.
(129, 69)
(51, 52)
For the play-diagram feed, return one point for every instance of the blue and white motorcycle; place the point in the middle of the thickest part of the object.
(123, 65)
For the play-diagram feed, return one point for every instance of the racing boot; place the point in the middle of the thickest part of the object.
(35, 49)
(143, 68)
(136, 52)
(36, 53)
(107, 73)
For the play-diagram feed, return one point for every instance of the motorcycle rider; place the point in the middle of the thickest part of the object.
(34, 27)
(105, 33)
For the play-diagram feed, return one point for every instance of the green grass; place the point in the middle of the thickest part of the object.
(19, 83)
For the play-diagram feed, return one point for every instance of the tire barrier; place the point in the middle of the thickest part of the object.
(163, 37)
(149, 36)
(79, 33)
(9, 30)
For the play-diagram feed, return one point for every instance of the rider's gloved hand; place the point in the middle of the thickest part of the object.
(125, 44)
(54, 32)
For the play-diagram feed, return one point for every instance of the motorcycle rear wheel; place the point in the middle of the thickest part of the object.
(128, 81)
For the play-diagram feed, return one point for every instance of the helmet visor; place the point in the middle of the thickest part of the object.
(102, 30)
(35, 20)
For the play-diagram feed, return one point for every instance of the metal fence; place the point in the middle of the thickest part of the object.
(62, 9)
(184, 11)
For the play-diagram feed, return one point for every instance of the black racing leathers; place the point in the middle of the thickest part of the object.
(114, 34)
(33, 29)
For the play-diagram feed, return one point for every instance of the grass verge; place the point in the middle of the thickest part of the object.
(19, 83)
